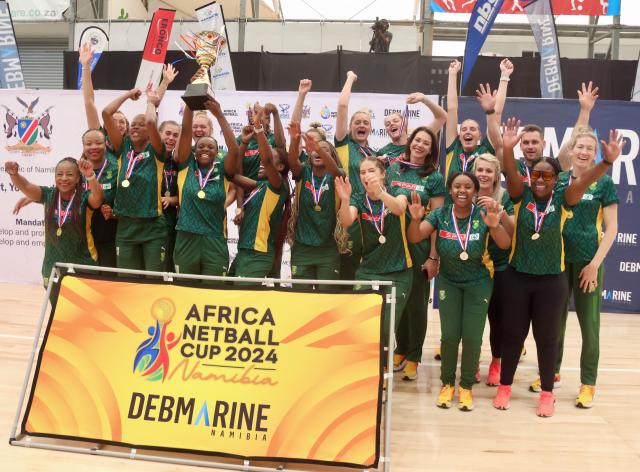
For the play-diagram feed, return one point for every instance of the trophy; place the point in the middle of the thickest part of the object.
(204, 47)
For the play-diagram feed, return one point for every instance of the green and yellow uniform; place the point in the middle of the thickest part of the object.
(500, 257)
(390, 260)
(314, 254)
(141, 236)
(413, 325)
(263, 210)
(464, 290)
(251, 160)
(74, 243)
(201, 240)
(103, 231)
(394, 152)
(582, 236)
(456, 157)
(170, 189)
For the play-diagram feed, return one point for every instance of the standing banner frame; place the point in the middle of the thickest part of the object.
(131, 451)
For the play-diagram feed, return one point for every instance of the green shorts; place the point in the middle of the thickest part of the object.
(200, 254)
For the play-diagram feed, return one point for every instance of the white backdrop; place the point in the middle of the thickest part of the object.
(22, 236)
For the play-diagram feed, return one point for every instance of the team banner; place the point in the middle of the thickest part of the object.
(10, 68)
(271, 374)
(99, 41)
(621, 292)
(543, 25)
(560, 7)
(211, 18)
(482, 17)
(155, 48)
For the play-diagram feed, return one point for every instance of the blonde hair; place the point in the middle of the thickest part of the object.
(316, 127)
(498, 191)
(583, 132)
(205, 115)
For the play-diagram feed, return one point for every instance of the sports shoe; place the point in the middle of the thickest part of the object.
(536, 385)
(523, 354)
(410, 371)
(501, 400)
(585, 397)
(478, 377)
(445, 397)
(437, 355)
(493, 377)
(465, 399)
(545, 404)
(399, 361)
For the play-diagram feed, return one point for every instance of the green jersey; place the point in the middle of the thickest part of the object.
(263, 209)
(202, 209)
(251, 160)
(140, 178)
(170, 189)
(500, 257)
(394, 152)
(478, 265)
(351, 154)
(583, 232)
(71, 243)
(378, 257)
(524, 171)
(406, 180)
(542, 254)
(104, 231)
(316, 198)
(457, 160)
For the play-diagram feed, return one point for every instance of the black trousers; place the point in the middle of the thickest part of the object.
(535, 300)
(496, 312)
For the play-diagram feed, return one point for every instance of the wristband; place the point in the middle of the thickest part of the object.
(91, 177)
(505, 79)
(258, 130)
(432, 258)
(490, 112)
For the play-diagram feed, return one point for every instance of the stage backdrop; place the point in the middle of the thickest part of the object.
(621, 291)
(268, 374)
(61, 121)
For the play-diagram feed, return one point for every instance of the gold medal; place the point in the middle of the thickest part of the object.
(535, 236)
(317, 208)
(59, 232)
(464, 255)
(167, 194)
(201, 194)
(125, 183)
(382, 239)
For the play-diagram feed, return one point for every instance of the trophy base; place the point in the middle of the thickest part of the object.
(196, 95)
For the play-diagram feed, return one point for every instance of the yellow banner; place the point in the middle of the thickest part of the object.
(259, 374)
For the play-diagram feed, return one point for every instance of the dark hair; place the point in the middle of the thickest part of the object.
(431, 159)
(332, 152)
(195, 145)
(454, 176)
(82, 156)
(533, 129)
(50, 209)
(552, 161)
(166, 123)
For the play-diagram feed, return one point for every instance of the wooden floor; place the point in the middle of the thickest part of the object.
(424, 438)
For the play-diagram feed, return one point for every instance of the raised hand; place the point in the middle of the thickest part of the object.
(152, 95)
(135, 94)
(86, 168)
(486, 98)
(416, 97)
(310, 143)
(587, 96)
(455, 67)
(343, 188)
(613, 148)
(294, 130)
(416, 209)
(247, 134)
(85, 54)
(305, 86)
(492, 213)
(352, 76)
(11, 167)
(506, 68)
(510, 135)
(270, 109)
(214, 107)
(169, 73)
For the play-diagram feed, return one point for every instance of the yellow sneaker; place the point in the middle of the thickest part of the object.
(536, 385)
(410, 371)
(585, 397)
(399, 361)
(436, 355)
(465, 399)
(445, 397)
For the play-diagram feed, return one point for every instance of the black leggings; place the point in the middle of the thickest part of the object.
(496, 311)
(537, 300)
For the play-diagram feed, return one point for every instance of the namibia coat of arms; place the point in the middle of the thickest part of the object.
(23, 131)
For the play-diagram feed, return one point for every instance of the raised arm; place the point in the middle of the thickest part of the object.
(293, 156)
(487, 100)
(151, 116)
(511, 137)
(491, 216)
(418, 228)
(347, 214)
(278, 130)
(328, 161)
(30, 190)
(266, 154)
(86, 56)
(303, 88)
(96, 196)
(107, 116)
(452, 102)
(587, 98)
(342, 118)
(611, 150)
(168, 75)
(229, 139)
(184, 143)
(506, 69)
(439, 113)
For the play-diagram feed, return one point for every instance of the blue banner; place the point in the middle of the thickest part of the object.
(10, 68)
(482, 18)
(621, 291)
(99, 41)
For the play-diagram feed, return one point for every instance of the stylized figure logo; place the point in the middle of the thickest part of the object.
(152, 356)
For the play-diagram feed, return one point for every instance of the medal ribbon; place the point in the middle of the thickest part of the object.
(408, 165)
(366, 151)
(203, 182)
(465, 243)
(318, 194)
(253, 193)
(405, 119)
(62, 219)
(379, 229)
(467, 160)
(526, 169)
(167, 180)
(538, 219)
(131, 163)
(86, 184)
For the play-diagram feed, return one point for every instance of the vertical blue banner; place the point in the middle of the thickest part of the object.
(10, 68)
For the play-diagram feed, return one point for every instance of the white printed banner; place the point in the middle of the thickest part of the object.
(40, 127)
(38, 10)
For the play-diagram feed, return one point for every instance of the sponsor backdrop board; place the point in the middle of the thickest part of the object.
(268, 374)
